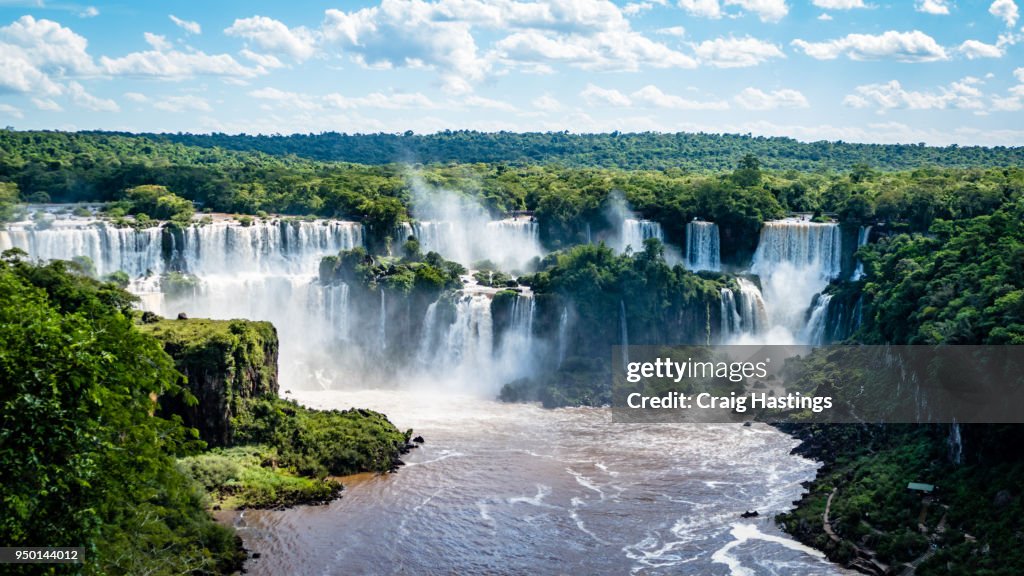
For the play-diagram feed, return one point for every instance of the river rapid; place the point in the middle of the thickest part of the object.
(517, 489)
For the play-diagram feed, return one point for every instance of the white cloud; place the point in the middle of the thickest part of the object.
(755, 99)
(736, 52)
(413, 100)
(634, 8)
(82, 98)
(938, 7)
(677, 31)
(46, 104)
(597, 96)
(285, 99)
(547, 103)
(135, 97)
(915, 46)
(48, 46)
(10, 111)
(609, 51)
(264, 60)
(766, 10)
(704, 8)
(963, 94)
(651, 95)
(273, 36)
(157, 41)
(187, 25)
(824, 17)
(185, 103)
(176, 65)
(839, 4)
(976, 49)
(1005, 10)
(1014, 101)
(89, 12)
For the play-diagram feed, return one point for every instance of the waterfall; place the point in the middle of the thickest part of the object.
(468, 346)
(136, 252)
(625, 333)
(817, 323)
(743, 314)
(425, 350)
(862, 239)
(510, 243)
(956, 443)
(635, 231)
(563, 334)
(589, 239)
(702, 246)
(382, 329)
(795, 260)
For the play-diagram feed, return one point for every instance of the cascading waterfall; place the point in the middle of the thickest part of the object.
(743, 315)
(702, 246)
(382, 327)
(795, 260)
(817, 323)
(635, 231)
(136, 252)
(956, 443)
(862, 239)
(563, 334)
(510, 243)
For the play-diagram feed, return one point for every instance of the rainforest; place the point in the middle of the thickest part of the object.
(222, 351)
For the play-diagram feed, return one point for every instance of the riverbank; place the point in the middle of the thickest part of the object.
(860, 512)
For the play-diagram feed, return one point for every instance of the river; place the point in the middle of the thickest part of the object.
(517, 489)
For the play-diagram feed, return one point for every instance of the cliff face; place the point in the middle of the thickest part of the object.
(225, 363)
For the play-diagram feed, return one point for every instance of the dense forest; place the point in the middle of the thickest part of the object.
(648, 151)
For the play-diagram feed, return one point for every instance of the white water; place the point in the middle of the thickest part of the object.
(136, 252)
(744, 315)
(635, 231)
(517, 489)
(817, 323)
(862, 239)
(795, 261)
(702, 246)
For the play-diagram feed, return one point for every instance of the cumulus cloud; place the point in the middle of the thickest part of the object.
(547, 103)
(488, 103)
(736, 52)
(597, 96)
(1014, 100)
(756, 99)
(915, 46)
(766, 10)
(157, 41)
(188, 26)
(176, 65)
(48, 46)
(264, 60)
(938, 7)
(1005, 10)
(963, 94)
(839, 4)
(651, 95)
(976, 49)
(824, 17)
(273, 36)
(82, 98)
(89, 12)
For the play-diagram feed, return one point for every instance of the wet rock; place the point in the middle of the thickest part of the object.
(182, 316)
(418, 440)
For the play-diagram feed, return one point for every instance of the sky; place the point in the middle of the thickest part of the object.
(934, 71)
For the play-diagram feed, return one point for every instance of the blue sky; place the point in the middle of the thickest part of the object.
(934, 71)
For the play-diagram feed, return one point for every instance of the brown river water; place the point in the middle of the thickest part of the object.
(517, 489)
